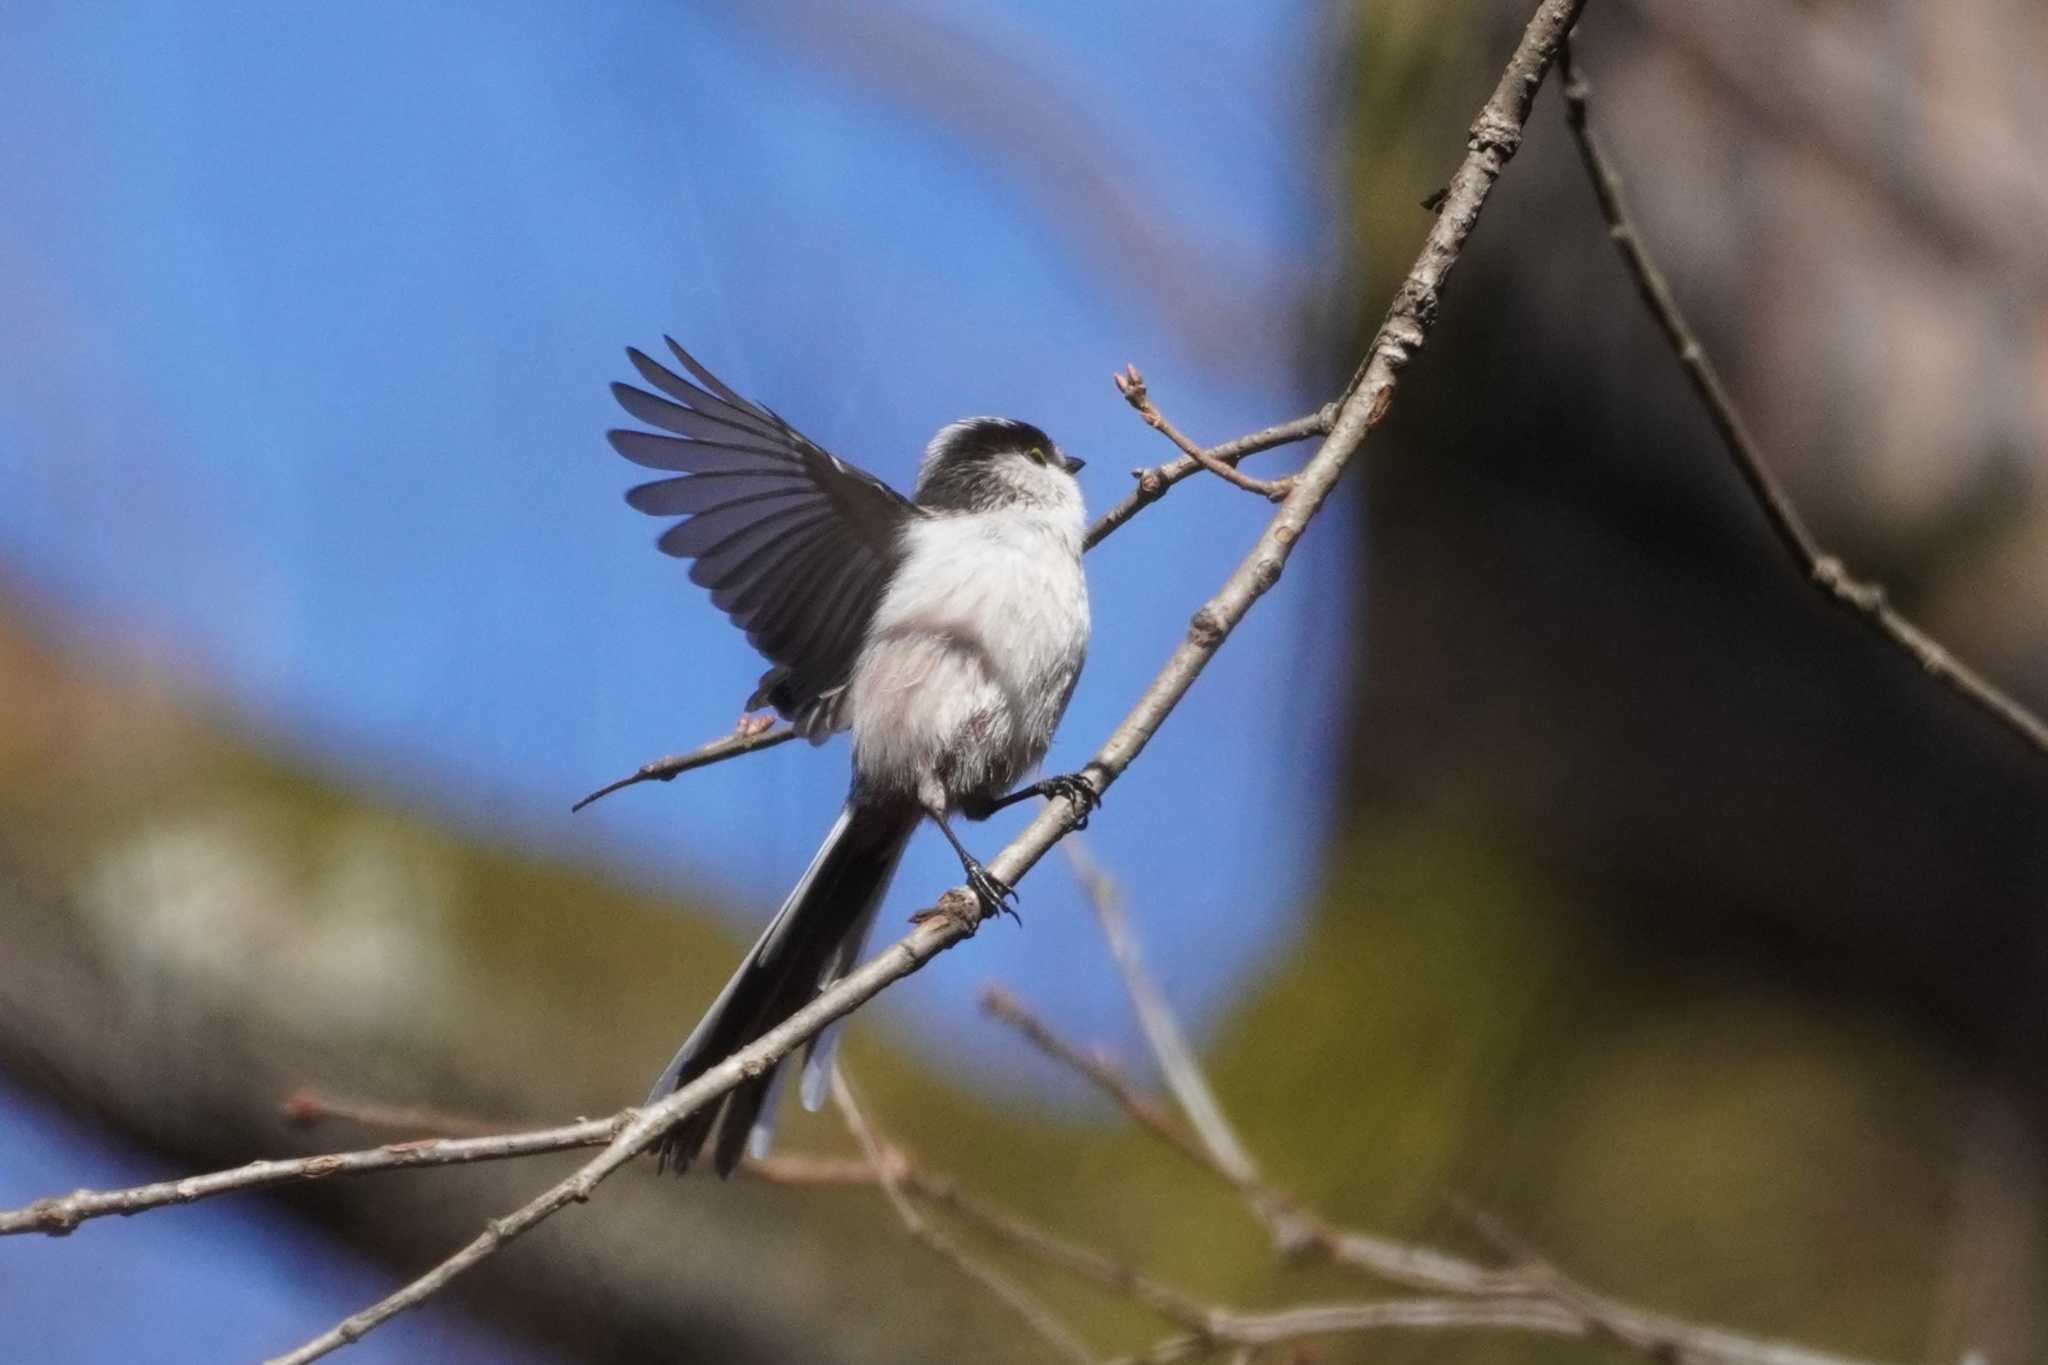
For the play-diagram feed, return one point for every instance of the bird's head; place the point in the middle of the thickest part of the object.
(979, 464)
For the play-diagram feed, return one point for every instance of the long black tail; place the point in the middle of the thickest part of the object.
(814, 939)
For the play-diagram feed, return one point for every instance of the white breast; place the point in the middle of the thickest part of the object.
(973, 651)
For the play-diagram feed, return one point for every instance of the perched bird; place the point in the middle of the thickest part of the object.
(945, 630)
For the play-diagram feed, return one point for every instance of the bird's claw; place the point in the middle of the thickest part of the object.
(1079, 791)
(995, 896)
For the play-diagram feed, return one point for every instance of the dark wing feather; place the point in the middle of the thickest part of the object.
(796, 545)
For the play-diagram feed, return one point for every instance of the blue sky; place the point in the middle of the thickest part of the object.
(311, 312)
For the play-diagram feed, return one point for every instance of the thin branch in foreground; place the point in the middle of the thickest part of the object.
(1297, 1233)
(889, 1166)
(59, 1215)
(1863, 599)
(1156, 1020)
(1131, 385)
(1097, 1070)
(1531, 1286)
(1532, 1295)
(307, 1108)
(745, 740)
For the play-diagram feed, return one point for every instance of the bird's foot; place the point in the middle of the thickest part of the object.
(995, 896)
(1079, 790)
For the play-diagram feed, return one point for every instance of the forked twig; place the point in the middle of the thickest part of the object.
(1131, 385)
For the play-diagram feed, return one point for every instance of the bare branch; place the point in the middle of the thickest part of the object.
(1183, 1074)
(1862, 599)
(1131, 385)
(1297, 1233)
(58, 1216)
(744, 740)
(1098, 1071)
(890, 1165)
(1532, 1294)
(1153, 483)
(1534, 1297)
(308, 1108)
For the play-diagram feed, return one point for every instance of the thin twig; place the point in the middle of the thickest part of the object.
(1297, 1233)
(1153, 483)
(1131, 385)
(1300, 1233)
(1554, 1284)
(741, 741)
(308, 1108)
(1177, 1064)
(60, 1215)
(1097, 1070)
(1861, 598)
(889, 1165)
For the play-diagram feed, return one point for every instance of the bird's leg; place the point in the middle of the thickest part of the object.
(993, 894)
(1076, 787)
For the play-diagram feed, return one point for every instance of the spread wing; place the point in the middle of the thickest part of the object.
(796, 545)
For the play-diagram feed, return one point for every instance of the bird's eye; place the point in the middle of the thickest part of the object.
(1037, 453)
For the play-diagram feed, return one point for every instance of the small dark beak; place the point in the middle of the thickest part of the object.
(1070, 464)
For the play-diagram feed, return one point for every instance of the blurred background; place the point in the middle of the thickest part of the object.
(1552, 848)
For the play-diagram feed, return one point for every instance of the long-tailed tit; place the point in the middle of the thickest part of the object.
(946, 631)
